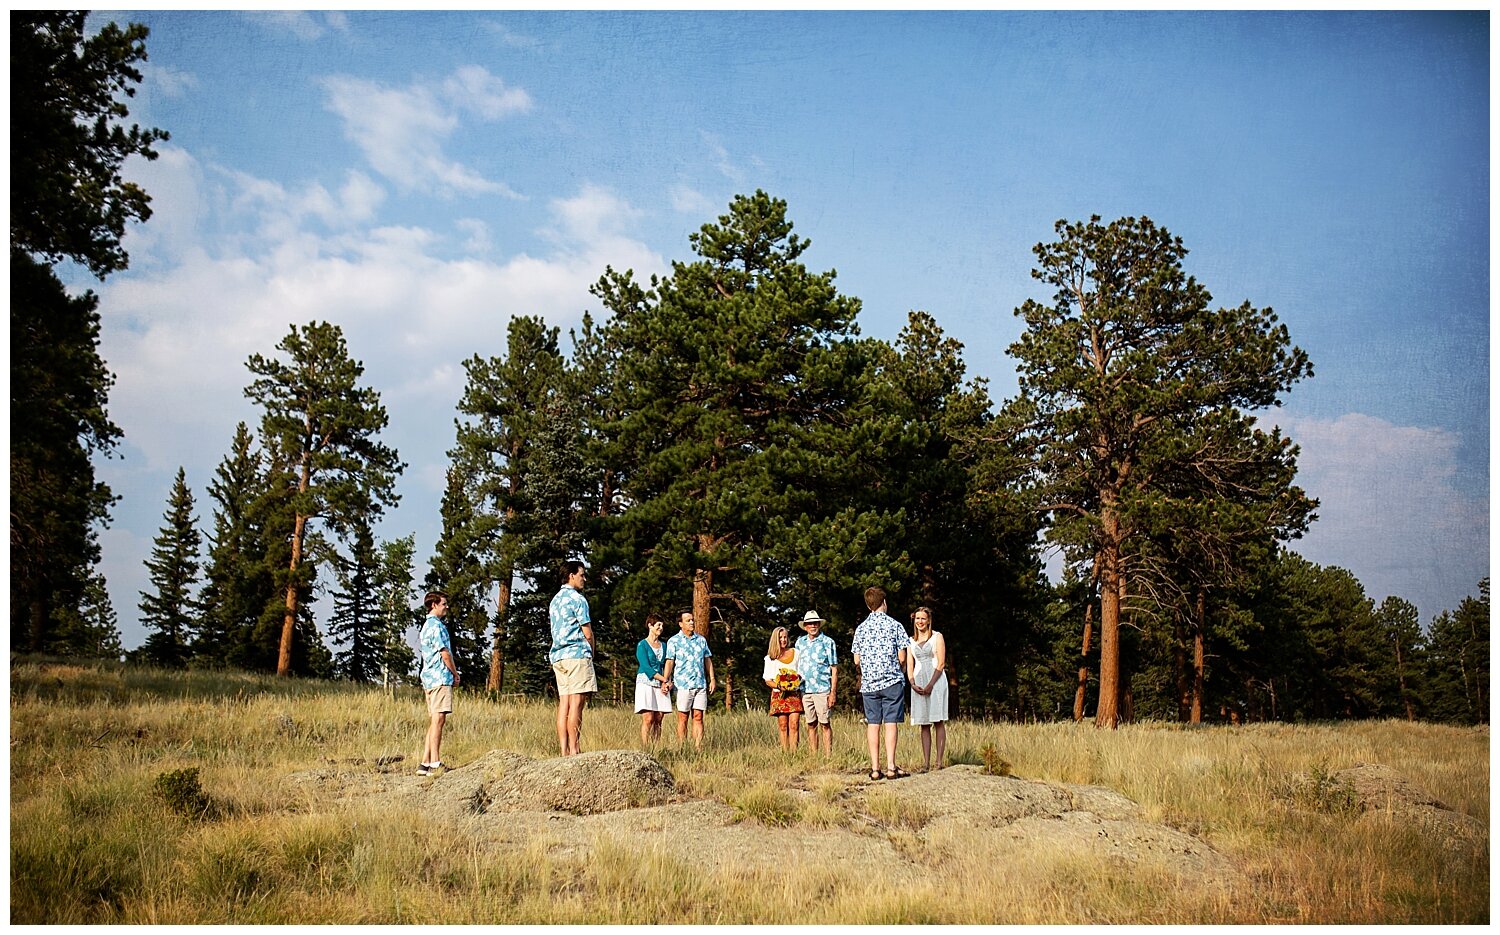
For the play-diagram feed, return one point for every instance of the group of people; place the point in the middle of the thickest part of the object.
(678, 674)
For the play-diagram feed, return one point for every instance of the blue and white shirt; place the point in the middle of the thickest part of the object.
(878, 642)
(815, 661)
(688, 653)
(433, 640)
(569, 614)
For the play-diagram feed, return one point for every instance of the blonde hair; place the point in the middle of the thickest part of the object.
(773, 649)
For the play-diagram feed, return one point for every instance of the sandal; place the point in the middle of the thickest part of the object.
(875, 774)
(896, 773)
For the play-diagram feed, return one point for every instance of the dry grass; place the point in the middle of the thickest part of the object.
(91, 843)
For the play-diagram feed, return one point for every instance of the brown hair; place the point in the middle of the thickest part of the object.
(924, 609)
(874, 597)
(432, 598)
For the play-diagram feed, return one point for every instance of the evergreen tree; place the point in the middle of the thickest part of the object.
(325, 426)
(92, 628)
(68, 142)
(58, 421)
(740, 386)
(67, 200)
(504, 404)
(462, 569)
(1113, 376)
(170, 610)
(356, 610)
(1458, 668)
(1399, 621)
(399, 610)
(238, 584)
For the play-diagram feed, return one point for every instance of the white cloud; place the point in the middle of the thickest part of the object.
(1393, 510)
(401, 131)
(512, 38)
(300, 23)
(166, 81)
(685, 200)
(722, 160)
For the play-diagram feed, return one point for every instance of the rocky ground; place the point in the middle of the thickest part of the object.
(505, 800)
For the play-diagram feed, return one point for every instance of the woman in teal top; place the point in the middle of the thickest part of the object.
(653, 699)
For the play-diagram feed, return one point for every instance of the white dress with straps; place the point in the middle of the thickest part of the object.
(932, 707)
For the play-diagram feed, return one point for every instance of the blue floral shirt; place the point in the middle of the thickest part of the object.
(569, 614)
(434, 639)
(815, 660)
(877, 643)
(688, 653)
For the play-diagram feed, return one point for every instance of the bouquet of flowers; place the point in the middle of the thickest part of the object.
(788, 681)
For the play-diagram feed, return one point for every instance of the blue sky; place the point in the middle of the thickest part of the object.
(420, 178)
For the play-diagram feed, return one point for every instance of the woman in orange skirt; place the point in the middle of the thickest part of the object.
(786, 687)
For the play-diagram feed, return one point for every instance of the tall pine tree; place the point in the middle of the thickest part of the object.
(170, 611)
(325, 426)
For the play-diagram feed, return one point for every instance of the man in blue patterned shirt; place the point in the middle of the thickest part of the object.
(880, 653)
(572, 655)
(439, 675)
(818, 664)
(688, 659)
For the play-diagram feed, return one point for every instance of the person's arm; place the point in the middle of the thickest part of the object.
(448, 661)
(708, 663)
(643, 660)
(833, 680)
(941, 660)
(768, 672)
(588, 634)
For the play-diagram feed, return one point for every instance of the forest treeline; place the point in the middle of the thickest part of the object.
(724, 438)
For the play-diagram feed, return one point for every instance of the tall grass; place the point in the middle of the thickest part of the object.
(91, 842)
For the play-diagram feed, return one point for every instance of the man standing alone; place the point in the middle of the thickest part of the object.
(690, 668)
(880, 653)
(572, 655)
(439, 675)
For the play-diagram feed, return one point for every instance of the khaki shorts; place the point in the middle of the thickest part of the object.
(575, 676)
(440, 700)
(815, 707)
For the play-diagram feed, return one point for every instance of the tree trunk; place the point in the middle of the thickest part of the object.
(497, 661)
(703, 587)
(1108, 714)
(299, 528)
(1401, 680)
(288, 623)
(1179, 672)
(1083, 661)
(1198, 637)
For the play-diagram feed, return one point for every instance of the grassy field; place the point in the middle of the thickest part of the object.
(93, 842)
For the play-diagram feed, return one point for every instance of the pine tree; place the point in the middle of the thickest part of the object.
(1114, 374)
(1458, 667)
(59, 389)
(399, 610)
(170, 610)
(237, 582)
(1399, 621)
(92, 628)
(356, 610)
(325, 426)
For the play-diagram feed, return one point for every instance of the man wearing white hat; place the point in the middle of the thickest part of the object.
(817, 663)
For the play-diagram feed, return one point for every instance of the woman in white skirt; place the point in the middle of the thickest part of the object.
(926, 658)
(653, 698)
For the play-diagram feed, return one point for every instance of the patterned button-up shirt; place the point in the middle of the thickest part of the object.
(815, 661)
(878, 642)
(569, 614)
(688, 653)
(434, 639)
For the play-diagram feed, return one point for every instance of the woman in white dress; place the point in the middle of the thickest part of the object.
(926, 659)
(652, 697)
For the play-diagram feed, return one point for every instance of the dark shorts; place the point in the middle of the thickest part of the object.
(886, 706)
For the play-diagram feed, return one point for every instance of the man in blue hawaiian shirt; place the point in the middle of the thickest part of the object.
(688, 661)
(439, 675)
(880, 653)
(572, 655)
(817, 663)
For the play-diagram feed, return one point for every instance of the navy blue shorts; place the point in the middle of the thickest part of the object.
(886, 706)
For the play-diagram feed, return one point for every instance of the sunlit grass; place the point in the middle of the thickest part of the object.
(92, 843)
